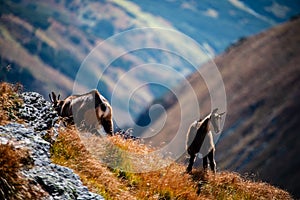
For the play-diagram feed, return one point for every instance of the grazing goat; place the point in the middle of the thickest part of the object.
(90, 109)
(200, 139)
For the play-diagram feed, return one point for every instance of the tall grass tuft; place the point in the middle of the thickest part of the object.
(9, 102)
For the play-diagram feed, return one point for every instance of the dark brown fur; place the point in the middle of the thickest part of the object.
(194, 148)
(89, 109)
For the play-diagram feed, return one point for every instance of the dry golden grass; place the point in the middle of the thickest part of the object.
(12, 184)
(9, 102)
(68, 150)
(103, 165)
(229, 185)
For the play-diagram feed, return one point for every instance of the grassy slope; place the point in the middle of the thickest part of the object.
(167, 183)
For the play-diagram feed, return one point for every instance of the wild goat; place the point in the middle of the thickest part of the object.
(90, 110)
(200, 139)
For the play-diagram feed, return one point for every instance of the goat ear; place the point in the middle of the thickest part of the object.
(215, 110)
(58, 97)
(54, 97)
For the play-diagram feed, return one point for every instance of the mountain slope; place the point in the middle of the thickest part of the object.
(45, 43)
(261, 75)
(263, 99)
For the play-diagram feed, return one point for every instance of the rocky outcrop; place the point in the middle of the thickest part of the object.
(57, 181)
(37, 112)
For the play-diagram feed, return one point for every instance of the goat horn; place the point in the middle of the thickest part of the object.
(50, 98)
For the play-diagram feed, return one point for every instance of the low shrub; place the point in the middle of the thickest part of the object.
(13, 185)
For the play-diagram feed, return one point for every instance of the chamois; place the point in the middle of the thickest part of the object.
(200, 139)
(90, 109)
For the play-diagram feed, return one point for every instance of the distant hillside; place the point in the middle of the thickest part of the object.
(263, 106)
(44, 43)
(261, 134)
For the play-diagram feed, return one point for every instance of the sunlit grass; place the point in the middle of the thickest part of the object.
(69, 151)
(106, 169)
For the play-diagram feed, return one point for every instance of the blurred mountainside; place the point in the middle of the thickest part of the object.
(44, 44)
(261, 75)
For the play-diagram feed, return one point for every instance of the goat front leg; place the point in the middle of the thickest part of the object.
(205, 163)
(107, 125)
(191, 162)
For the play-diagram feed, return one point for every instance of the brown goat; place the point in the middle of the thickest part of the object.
(90, 109)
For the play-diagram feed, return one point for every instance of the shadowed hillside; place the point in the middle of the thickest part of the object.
(261, 75)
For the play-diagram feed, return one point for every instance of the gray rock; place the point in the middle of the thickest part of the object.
(37, 112)
(58, 181)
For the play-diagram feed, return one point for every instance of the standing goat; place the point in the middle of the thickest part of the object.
(200, 139)
(90, 109)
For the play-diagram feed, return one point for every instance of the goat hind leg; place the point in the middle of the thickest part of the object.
(212, 162)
